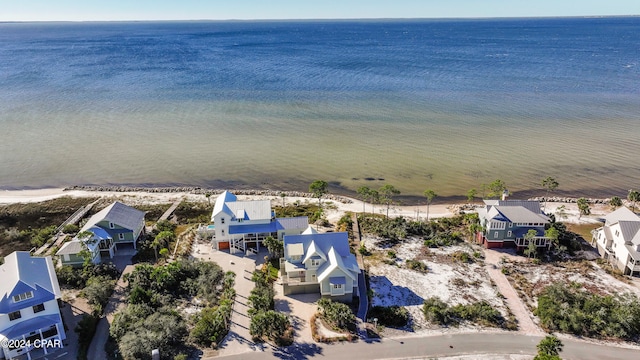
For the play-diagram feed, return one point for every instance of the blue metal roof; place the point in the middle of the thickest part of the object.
(100, 233)
(253, 228)
(27, 326)
(338, 280)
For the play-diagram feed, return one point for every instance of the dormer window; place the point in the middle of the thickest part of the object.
(23, 296)
(315, 262)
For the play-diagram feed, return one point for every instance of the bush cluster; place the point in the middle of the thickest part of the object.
(337, 314)
(417, 265)
(212, 324)
(150, 320)
(574, 310)
(437, 311)
(394, 316)
(436, 233)
(266, 324)
(77, 278)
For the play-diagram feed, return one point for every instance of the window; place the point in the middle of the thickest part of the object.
(295, 258)
(222, 232)
(221, 220)
(509, 233)
(315, 262)
(495, 234)
(121, 236)
(510, 225)
(617, 233)
(337, 286)
(111, 225)
(38, 308)
(23, 296)
(14, 315)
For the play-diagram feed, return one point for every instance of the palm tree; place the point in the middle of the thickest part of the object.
(208, 196)
(550, 184)
(430, 195)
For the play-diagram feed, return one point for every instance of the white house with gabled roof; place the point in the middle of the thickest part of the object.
(243, 225)
(321, 263)
(29, 312)
(619, 240)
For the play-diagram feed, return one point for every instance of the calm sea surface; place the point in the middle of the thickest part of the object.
(445, 105)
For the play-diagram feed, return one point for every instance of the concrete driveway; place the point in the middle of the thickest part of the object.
(300, 308)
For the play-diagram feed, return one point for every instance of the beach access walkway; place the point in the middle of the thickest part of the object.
(513, 301)
(116, 302)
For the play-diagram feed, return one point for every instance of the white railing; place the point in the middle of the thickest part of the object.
(540, 241)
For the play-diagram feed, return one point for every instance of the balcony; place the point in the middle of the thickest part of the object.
(540, 241)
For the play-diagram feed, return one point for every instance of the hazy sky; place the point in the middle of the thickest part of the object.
(38, 10)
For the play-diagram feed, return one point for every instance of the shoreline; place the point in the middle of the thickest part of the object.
(345, 197)
(441, 208)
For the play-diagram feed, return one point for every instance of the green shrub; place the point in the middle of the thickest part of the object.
(270, 325)
(573, 310)
(394, 316)
(70, 229)
(417, 266)
(437, 311)
(337, 314)
(86, 328)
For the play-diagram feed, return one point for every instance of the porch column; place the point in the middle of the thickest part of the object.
(44, 347)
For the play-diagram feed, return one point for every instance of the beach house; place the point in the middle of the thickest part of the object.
(30, 321)
(243, 225)
(506, 222)
(116, 225)
(619, 240)
(321, 263)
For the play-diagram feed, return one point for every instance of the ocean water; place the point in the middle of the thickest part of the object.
(439, 104)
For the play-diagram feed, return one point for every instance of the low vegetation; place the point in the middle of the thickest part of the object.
(393, 316)
(572, 309)
(25, 225)
(266, 324)
(436, 233)
(437, 311)
(337, 315)
(86, 328)
(151, 320)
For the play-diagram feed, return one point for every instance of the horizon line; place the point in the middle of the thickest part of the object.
(330, 19)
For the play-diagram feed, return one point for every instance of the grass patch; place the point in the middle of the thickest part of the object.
(417, 265)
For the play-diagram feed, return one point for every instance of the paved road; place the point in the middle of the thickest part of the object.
(439, 346)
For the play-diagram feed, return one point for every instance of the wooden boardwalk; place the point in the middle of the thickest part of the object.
(170, 210)
(58, 238)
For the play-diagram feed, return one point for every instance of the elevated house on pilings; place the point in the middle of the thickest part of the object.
(618, 240)
(241, 226)
(506, 222)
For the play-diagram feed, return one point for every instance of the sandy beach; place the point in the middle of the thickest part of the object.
(333, 214)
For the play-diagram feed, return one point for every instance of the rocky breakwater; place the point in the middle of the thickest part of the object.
(204, 191)
(560, 199)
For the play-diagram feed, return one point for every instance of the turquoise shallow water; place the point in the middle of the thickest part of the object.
(446, 105)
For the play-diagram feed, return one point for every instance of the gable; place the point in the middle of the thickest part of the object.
(117, 213)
